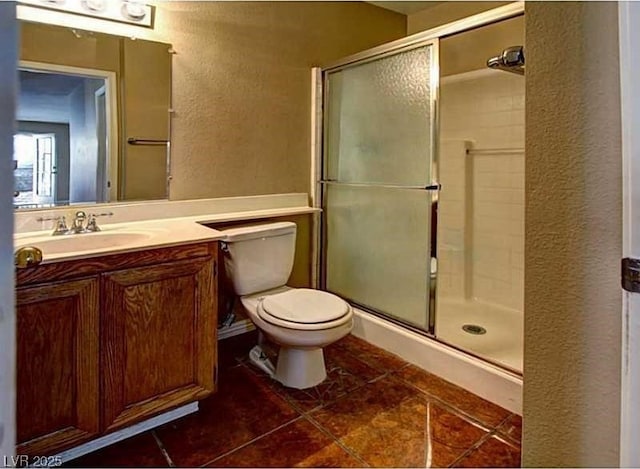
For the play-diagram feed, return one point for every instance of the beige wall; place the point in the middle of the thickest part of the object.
(470, 50)
(573, 236)
(242, 84)
(446, 12)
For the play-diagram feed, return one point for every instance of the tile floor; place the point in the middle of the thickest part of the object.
(374, 410)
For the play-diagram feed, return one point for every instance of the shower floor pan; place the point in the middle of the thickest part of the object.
(502, 342)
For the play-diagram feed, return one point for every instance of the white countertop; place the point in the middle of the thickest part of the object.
(132, 236)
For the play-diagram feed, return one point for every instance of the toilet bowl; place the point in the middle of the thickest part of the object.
(301, 339)
(259, 260)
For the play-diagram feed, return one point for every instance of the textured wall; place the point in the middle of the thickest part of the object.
(42, 107)
(573, 235)
(242, 84)
(446, 12)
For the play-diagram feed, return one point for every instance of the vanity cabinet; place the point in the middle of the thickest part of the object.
(107, 342)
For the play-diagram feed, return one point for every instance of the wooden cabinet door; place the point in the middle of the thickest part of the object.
(57, 365)
(158, 339)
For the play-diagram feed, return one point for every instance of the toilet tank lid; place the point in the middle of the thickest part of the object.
(263, 230)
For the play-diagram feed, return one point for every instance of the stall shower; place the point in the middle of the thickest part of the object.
(422, 186)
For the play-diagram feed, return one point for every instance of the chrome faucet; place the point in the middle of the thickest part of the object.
(78, 226)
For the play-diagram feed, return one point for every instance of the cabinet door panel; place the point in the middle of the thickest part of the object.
(158, 339)
(158, 331)
(57, 365)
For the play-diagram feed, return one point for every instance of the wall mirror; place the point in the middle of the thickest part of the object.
(93, 118)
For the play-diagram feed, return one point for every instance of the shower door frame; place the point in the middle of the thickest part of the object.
(432, 186)
(319, 104)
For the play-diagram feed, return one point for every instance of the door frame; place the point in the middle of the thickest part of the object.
(40, 169)
(430, 186)
(8, 92)
(63, 153)
(111, 97)
(629, 37)
(106, 191)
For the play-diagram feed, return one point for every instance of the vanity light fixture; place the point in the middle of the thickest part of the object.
(133, 12)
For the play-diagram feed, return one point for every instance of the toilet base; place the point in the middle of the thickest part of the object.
(300, 368)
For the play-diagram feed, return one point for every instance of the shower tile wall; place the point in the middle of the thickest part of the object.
(481, 225)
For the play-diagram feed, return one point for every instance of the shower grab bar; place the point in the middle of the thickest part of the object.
(330, 182)
(495, 151)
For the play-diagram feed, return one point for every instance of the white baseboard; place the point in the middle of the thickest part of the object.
(128, 432)
(237, 328)
(481, 378)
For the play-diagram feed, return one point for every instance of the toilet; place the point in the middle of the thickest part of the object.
(259, 260)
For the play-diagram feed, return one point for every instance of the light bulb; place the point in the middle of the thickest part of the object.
(94, 5)
(133, 9)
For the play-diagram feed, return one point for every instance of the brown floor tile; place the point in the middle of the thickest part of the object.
(138, 451)
(492, 453)
(512, 428)
(387, 424)
(299, 444)
(243, 408)
(483, 411)
(376, 357)
(397, 420)
(235, 350)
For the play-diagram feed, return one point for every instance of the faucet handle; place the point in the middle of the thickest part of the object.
(92, 224)
(60, 226)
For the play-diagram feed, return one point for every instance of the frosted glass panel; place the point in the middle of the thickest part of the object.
(379, 122)
(377, 251)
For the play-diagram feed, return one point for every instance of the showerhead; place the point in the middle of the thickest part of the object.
(511, 60)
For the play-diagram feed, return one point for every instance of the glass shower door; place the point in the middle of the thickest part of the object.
(378, 187)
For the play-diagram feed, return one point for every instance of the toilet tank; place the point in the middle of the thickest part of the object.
(259, 257)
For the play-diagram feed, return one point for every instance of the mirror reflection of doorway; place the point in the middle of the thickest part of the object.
(41, 155)
(61, 152)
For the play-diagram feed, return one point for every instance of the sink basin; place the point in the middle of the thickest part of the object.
(52, 245)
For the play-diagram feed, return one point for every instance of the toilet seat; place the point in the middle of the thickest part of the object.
(304, 309)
